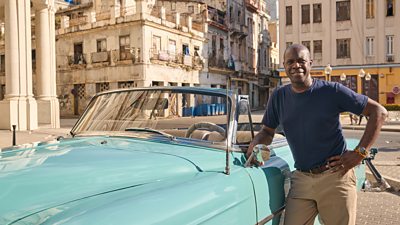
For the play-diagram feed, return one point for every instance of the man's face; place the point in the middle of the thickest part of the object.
(297, 64)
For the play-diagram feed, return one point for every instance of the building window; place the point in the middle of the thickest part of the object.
(389, 44)
(317, 47)
(214, 45)
(342, 10)
(370, 9)
(185, 49)
(288, 44)
(156, 46)
(288, 15)
(239, 15)
(2, 63)
(307, 44)
(317, 10)
(100, 87)
(173, 6)
(101, 45)
(369, 46)
(305, 14)
(350, 82)
(171, 47)
(2, 91)
(389, 8)
(156, 43)
(126, 84)
(342, 48)
(78, 53)
(124, 47)
(191, 9)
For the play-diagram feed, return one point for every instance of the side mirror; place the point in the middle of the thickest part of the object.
(261, 153)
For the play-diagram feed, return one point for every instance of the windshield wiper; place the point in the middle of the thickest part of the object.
(146, 129)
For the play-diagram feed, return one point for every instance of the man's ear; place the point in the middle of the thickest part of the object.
(311, 61)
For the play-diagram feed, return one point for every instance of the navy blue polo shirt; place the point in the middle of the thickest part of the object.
(310, 120)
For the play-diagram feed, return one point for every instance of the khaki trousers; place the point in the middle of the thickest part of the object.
(331, 195)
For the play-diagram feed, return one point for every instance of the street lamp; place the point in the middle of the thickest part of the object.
(368, 77)
(361, 74)
(328, 71)
(342, 77)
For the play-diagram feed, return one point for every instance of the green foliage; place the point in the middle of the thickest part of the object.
(392, 107)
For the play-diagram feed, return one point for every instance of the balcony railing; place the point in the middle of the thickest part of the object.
(78, 21)
(77, 59)
(103, 15)
(253, 4)
(216, 16)
(178, 58)
(217, 61)
(100, 57)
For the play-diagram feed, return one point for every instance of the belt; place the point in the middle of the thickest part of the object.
(315, 170)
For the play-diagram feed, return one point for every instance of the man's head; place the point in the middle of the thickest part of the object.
(297, 62)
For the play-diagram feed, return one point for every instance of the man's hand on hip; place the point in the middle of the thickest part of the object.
(343, 163)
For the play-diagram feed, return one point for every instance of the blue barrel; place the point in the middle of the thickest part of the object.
(223, 109)
(217, 109)
(212, 109)
(205, 109)
(198, 110)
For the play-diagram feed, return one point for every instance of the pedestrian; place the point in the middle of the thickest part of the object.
(353, 118)
(308, 110)
(360, 118)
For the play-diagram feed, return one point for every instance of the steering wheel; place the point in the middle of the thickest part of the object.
(205, 125)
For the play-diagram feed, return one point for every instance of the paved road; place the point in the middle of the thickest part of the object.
(381, 207)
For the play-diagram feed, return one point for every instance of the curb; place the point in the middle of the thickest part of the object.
(394, 183)
(390, 129)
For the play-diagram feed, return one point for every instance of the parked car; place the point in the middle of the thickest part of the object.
(159, 155)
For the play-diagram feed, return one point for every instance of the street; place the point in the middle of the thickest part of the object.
(379, 207)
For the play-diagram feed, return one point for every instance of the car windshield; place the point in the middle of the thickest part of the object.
(173, 113)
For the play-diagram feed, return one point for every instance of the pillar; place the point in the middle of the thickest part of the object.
(48, 105)
(19, 107)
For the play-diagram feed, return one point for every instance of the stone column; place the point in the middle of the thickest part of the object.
(48, 105)
(19, 107)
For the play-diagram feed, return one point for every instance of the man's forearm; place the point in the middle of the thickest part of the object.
(377, 116)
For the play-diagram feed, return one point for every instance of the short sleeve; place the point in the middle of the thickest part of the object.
(271, 116)
(350, 101)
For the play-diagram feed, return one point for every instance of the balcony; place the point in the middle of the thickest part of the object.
(253, 4)
(100, 57)
(77, 59)
(217, 18)
(217, 61)
(105, 15)
(194, 62)
(78, 21)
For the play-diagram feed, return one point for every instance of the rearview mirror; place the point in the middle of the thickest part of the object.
(261, 153)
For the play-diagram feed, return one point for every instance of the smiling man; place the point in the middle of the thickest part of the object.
(308, 109)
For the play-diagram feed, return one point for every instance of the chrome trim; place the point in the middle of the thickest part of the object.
(270, 217)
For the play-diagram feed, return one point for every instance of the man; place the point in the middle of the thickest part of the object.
(308, 110)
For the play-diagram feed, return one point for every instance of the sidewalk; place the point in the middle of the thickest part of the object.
(392, 123)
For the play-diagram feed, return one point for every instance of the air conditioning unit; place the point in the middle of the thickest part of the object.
(390, 58)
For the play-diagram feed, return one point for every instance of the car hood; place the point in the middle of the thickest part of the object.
(49, 175)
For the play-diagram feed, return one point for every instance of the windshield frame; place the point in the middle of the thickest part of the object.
(227, 95)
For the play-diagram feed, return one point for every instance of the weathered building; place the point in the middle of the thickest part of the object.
(359, 39)
(109, 44)
(135, 44)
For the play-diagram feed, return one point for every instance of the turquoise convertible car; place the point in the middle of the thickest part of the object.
(159, 155)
